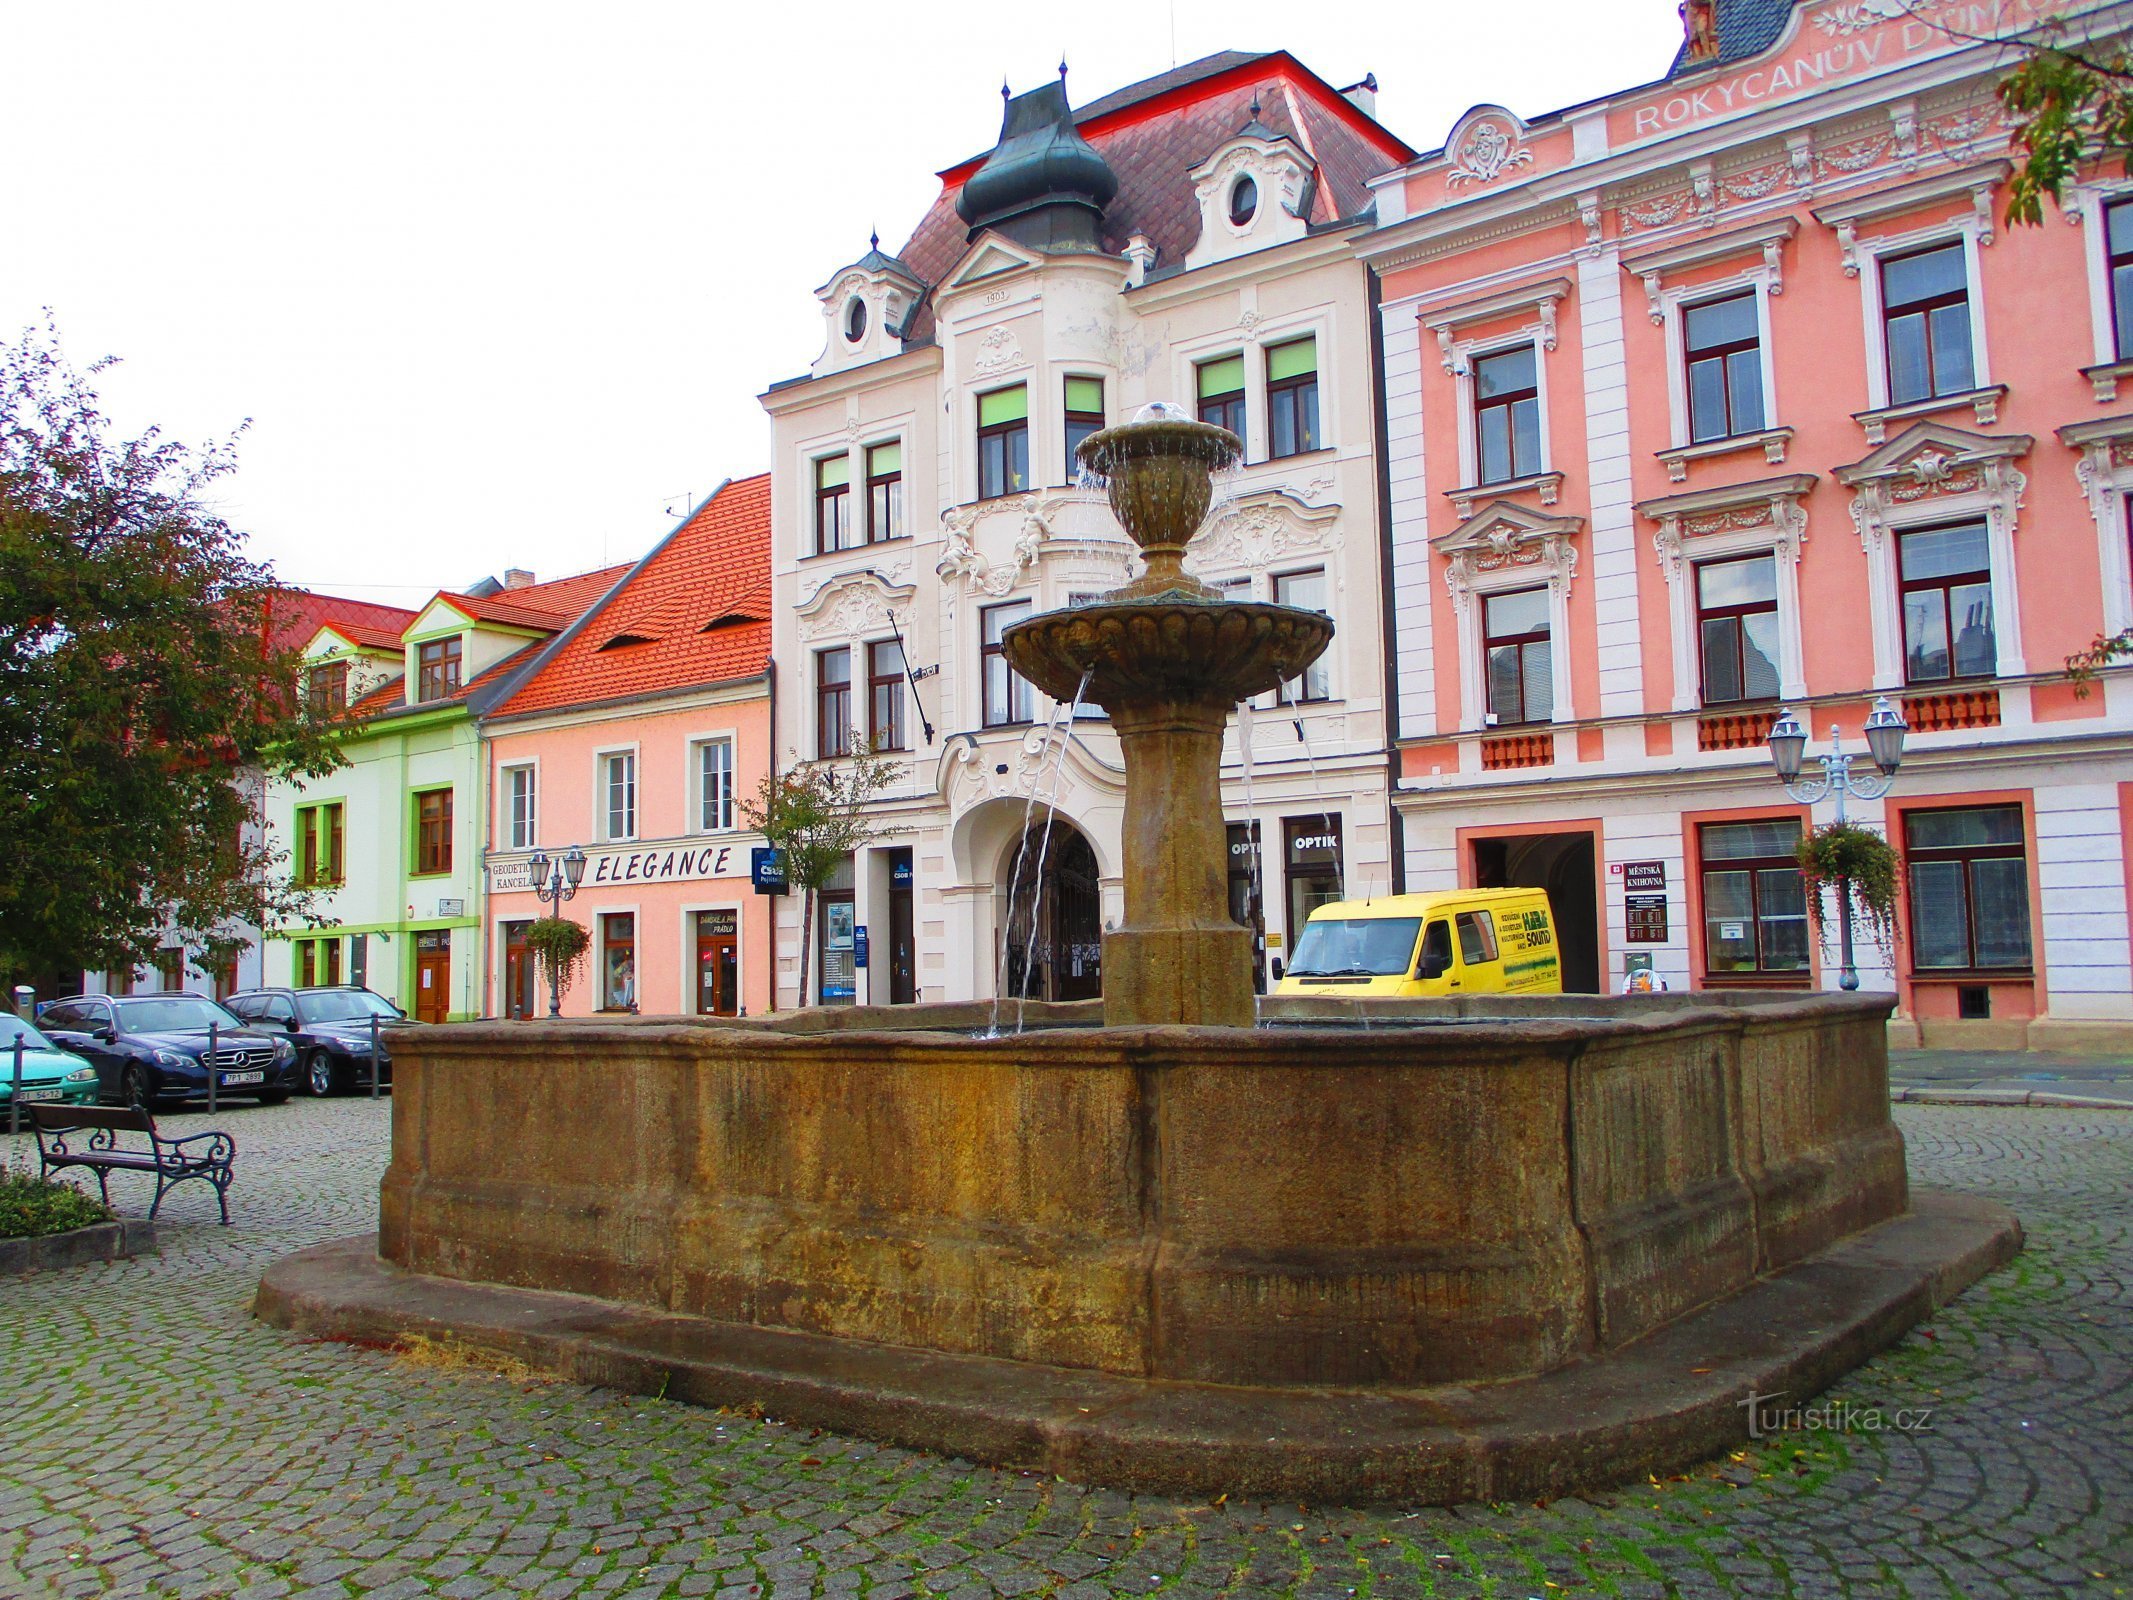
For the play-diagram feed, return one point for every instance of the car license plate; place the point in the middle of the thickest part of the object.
(229, 1079)
(38, 1094)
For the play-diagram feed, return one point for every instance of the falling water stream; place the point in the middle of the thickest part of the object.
(1057, 758)
(1251, 838)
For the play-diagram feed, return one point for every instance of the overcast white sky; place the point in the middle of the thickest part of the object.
(498, 285)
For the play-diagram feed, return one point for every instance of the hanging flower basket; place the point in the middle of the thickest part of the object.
(559, 945)
(1849, 859)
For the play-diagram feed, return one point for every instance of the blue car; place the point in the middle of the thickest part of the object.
(46, 1072)
(151, 1050)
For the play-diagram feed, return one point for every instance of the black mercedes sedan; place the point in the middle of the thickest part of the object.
(152, 1049)
(332, 1029)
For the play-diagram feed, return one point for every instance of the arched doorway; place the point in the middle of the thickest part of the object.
(1053, 949)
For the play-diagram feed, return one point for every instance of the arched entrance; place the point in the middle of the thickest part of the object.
(1053, 948)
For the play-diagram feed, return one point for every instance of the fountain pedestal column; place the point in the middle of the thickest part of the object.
(1179, 957)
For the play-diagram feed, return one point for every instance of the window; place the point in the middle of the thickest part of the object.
(833, 702)
(319, 835)
(1722, 342)
(1006, 691)
(1945, 575)
(1507, 415)
(327, 688)
(1003, 442)
(433, 831)
(1243, 201)
(714, 785)
(1084, 416)
(833, 503)
(437, 669)
(1754, 902)
(885, 696)
(1292, 397)
(1737, 621)
(1516, 653)
(1221, 385)
(1925, 313)
(618, 961)
(1306, 590)
(318, 965)
(885, 492)
(855, 320)
(1969, 889)
(519, 818)
(1477, 938)
(2118, 228)
(618, 795)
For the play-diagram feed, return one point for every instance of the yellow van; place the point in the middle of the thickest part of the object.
(1415, 946)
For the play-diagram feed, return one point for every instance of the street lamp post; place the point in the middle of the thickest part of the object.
(1885, 729)
(555, 881)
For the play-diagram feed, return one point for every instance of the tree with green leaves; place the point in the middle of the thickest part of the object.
(143, 691)
(817, 815)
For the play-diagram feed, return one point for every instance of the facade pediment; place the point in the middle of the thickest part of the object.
(1263, 530)
(1487, 145)
(854, 603)
(993, 256)
(1932, 454)
(1504, 540)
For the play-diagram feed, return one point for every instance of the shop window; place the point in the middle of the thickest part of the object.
(1969, 889)
(433, 831)
(718, 963)
(715, 797)
(1722, 343)
(437, 669)
(618, 795)
(1925, 315)
(837, 974)
(1221, 393)
(1006, 691)
(1307, 591)
(833, 503)
(885, 696)
(618, 961)
(885, 492)
(1084, 416)
(1737, 626)
(1003, 442)
(1754, 900)
(1292, 397)
(1312, 862)
(833, 702)
(1507, 414)
(1517, 656)
(1945, 575)
(318, 963)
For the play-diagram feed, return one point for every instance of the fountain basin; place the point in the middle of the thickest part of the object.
(1281, 1212)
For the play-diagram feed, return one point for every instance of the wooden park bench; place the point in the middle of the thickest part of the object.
(92, 1137)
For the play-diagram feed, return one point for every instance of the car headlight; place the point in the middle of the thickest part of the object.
(172, 1058)
(284, 1050)
(82, 1075)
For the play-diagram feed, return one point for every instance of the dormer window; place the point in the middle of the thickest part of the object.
(328, 688)
(855, 320)
(1243, 201)
(437, 669)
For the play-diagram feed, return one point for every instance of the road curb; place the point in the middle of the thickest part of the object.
(2042, 1098)
(102, 1241)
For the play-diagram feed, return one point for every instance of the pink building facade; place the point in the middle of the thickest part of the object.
(1734, 393)
(638, 742)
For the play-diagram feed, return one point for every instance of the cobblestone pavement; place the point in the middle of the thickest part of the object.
(161, 1442)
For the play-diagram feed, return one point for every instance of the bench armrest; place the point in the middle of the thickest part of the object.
(220, 1146)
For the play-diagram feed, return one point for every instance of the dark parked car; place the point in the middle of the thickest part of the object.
(330, 1029)
(152, 1048)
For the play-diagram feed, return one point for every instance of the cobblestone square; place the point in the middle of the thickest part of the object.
(160, 1442)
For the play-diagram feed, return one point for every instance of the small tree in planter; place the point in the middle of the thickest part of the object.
(815, 816)
(559, 945)
(1863, 870)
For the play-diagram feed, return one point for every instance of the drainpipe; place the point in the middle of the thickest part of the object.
(1381, 429)
(770, 677)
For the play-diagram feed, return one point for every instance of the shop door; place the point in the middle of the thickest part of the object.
(718, 963)
(433, 976)
(521, 974)
(1312, 862)
(1564, 865)
(902, 954)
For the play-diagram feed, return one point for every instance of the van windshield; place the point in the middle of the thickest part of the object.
(1366, 947)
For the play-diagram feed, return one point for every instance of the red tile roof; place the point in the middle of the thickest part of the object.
(1154, 133)
(549, 606)
(296, 614)
(666, 628)
(369, 638)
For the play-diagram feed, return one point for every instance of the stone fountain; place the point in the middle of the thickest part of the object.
(1168, 658)
(1520, 1247)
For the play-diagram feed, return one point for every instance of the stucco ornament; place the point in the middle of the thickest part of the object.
(1256, 534)
(1856, 16)
(1033, 524)
(1486, 153)
(998, 352)
(855, 603)
(1506, 537)
(1932, 461)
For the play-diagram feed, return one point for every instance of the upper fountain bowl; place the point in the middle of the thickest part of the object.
(1158, 473)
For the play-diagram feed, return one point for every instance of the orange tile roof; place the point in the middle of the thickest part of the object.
(678, 607)
(549, 606)
(369, 638)
(295, 615)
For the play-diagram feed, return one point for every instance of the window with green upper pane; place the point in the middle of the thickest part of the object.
(1084, 416)
(1221, 386)
(1003, 442)
(1292, 397)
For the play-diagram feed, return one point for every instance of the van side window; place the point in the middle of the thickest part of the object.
(1477, 937)
(1436, 951)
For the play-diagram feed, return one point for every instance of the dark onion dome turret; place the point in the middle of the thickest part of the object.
(1043, 185)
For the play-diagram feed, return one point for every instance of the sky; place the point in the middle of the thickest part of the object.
(498, 285)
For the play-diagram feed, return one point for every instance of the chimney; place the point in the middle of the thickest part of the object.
(517, 578)
(1699, 31)
(1364, 96)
